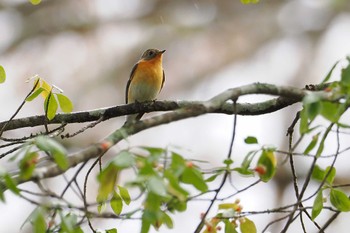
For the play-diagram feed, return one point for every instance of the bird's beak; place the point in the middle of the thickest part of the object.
(163, 51)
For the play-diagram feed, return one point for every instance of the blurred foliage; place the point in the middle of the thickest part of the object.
(229, 217)
(2, 74)
(249, 1)
(67, 223)
(163, 186)
(35, 2)
(332, 111)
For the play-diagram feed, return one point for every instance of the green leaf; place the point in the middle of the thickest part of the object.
(228, 162)
(43, 143)
(124, 159)
(114, 230)
(156, 186)
(116, 203)
(313, 110)
(35, 94)
(317, 206)
(176, 204)
(320, 148)
(167, 220)
(107, 179)
(318, 173)
(11, 184)
(178, 164)
(312, 105)
(60, 158)
(251, 140)
(330, 111)
(2, 74)
(312, 144)
(331, 175)
(248, 226)
(101, 207)
(244, 171)
(35, 2)
(340, 200)
(342, 125)
(69, 224)
(225, 206)
(245, 167)
(57, 151)
(268, 161)
(50, 106)
(212, 178)
(249, 1)
(146, 223)
(154, 151)
(38, 222)
(194, 177)
(2, 190)
(345, 75)
(328, 76)
(27, 164)
(124, 193)
(229, 226)
(174, 187)
(304, 122)
(152, 213)
(65, 103)
(153, 204)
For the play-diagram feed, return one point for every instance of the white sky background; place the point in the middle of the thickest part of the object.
(208, 51)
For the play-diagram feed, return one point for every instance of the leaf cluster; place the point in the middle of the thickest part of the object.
(28, 158)
(52, 99)
(331, 110)
(230, 216)
(266, 164)
(162, 176)
(337, 197)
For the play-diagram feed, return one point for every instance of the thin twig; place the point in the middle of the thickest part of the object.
(85, 189)
(89, 126)
(329, 221)
(217, 191)
(240, 190)
(73, 179)
(19, 108)
(306, 183)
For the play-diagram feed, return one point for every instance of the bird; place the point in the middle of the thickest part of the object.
(146, 80)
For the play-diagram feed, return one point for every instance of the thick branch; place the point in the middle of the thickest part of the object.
(268, 106)
(219, 103)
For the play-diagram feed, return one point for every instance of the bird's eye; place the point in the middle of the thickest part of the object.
(151, 53)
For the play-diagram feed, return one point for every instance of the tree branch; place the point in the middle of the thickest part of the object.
(288, 97)
(183, 110)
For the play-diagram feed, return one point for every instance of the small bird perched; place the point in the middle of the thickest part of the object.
(146, 80)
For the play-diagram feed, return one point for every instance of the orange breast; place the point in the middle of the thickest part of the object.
(147, 81)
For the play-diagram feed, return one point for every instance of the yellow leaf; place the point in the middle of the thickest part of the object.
(47, 87)
(35, 2)
(2, 74)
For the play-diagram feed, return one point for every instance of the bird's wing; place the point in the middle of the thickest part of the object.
(129, 81)
(163, 81)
